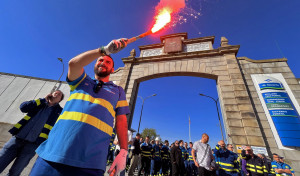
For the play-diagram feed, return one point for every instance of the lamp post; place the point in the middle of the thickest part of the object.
(63, 69)
(216, 101)
(142, 108)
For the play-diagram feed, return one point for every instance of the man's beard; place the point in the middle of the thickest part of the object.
(101, 73)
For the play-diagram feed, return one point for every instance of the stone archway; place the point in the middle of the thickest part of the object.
(177, 55)
(245, 117)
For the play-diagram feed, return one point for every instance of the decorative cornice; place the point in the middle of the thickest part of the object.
(151, 46)
(263, 61)
(183, 34)
(185, 41)
(198, 40)
(232, 49)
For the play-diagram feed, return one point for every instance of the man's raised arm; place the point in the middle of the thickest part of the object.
(77, 63)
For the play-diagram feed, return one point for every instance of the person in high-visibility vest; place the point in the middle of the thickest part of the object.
(157, 157)
(184, 156)
(147, 152)
(226, 159)
(165, 155)
(111, 148)
(191, 168)
(254, 165)
(280, 167)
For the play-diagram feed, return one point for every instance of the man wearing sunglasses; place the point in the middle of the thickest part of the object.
(254, 165)
(77, 145)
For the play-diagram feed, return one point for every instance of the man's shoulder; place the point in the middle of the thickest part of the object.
(197, 143)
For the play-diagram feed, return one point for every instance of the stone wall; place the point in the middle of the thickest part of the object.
(249, 67)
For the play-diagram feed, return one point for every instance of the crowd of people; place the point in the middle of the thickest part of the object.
(159, 158)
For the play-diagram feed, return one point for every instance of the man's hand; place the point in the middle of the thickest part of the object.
(119, 163)
(288, 171)
(114, 46)
(196, 164)
(48, 97)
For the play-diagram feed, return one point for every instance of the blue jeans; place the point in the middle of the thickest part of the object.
(20, 149)
(152, 167)
(42, 167)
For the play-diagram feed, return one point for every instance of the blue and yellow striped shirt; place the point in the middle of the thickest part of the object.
(82, 133)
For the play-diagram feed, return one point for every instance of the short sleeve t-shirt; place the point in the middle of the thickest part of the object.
(204, 154)
(82, 133)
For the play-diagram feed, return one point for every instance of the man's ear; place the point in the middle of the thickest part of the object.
(112, 70)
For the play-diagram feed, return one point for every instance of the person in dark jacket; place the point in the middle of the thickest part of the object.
(165, 155)
(254, 164)
(176, 160)
(30, 131)
(146, 153)
(136, 151)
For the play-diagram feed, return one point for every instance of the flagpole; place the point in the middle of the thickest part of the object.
(190, 128)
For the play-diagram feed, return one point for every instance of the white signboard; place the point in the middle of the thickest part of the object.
(259, 150)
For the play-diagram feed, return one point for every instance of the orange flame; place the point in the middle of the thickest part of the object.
(163, 18)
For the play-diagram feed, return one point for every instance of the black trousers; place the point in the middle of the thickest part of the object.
(157, 166)
(177, 169)
(146, 163)
(165, 166)
(204, 172)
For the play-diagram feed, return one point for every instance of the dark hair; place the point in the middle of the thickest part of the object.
(166, 141)
(191, 143)
(228, 145)
(180, 141)
(62, 95)
(112, 60)
(138, 134)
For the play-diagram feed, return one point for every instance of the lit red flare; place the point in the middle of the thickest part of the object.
(164, 11)
(162, 19)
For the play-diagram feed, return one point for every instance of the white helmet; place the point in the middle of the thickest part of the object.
(157, 139)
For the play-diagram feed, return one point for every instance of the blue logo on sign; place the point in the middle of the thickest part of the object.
(268, 80)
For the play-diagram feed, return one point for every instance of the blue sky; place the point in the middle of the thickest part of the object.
(33, 34)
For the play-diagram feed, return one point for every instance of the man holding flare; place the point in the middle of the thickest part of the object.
(77, 144)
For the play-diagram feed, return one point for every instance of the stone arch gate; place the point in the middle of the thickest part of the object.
(244, 118)
(196, 57)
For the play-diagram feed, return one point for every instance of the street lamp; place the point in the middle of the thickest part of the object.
(63, 69)
(142, 108)
(216, 101)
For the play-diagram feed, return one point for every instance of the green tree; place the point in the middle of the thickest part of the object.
(151, 132)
